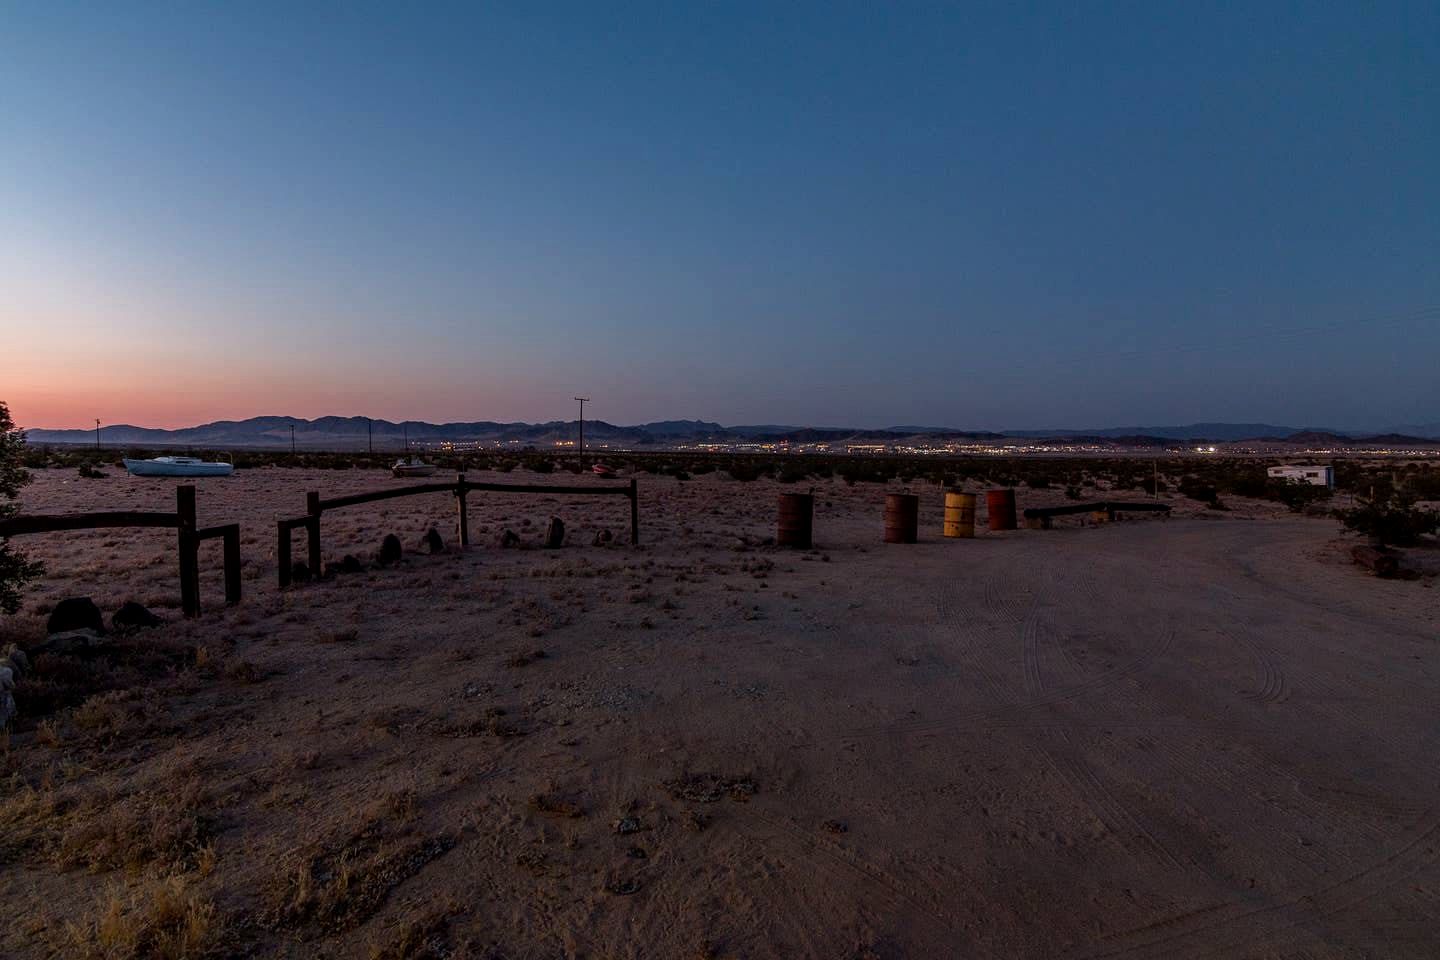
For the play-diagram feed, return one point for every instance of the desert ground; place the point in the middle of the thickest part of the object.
(1203, 736)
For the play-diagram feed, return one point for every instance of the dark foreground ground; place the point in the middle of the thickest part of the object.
(1203, 737)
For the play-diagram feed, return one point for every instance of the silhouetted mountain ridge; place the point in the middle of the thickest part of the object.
(336, 432)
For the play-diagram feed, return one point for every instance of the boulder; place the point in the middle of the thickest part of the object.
(75, 613)
(433, 542)
(351, 564)
(509, 539)
(16, 658)
(7, 707)
(7, 677)
(133, 616)
(603, 537)
(555, 534)
(390, 550)
(73, 641)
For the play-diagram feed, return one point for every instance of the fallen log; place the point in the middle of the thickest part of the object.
(1377, 559)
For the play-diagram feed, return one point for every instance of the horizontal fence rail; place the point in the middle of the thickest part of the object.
(1041, 516)
(315, 508)
(182, 520)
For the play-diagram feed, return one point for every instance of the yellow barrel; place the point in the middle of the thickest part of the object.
(959, 514)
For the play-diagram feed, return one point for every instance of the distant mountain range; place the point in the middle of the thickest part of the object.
(357, 433)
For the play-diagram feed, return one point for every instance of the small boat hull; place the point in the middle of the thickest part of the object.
(601, 470)
(413, 470)
(171, 468)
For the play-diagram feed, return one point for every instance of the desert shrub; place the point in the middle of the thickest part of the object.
(543, 465)
(1423, 484)
(1037, 482)
(1296, 496)
(1196, 489)
(1153, 485)
(1072, 493)
(505, 466)
(15, 570)
(744, 472)
(1393, 521)
(702, 467)
(792, 473)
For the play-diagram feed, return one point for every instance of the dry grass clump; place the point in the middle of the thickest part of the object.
(421, 936)
(170, 825)
(169, 921)
(58, 680)
(340, 883)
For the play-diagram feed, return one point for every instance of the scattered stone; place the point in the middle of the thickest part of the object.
(133, 616)
(75, 613)
(834, 826)
(509, 539)
(636, 853)
(603, 537)
(555, 534)
(7, 707)
(696, 821)
(72, 641)
(710, 788)
(622, 886)
(390, 550)
(7, 677)
(523, 659)
(627, 825)
(433, 542)
(351, 564)
(300, 572)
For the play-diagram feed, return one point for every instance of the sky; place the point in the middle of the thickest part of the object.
(998, 216)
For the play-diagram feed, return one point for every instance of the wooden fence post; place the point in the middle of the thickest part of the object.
(189, 551)
(634, 513)
(282, 553)
(232, 563)
(312, 527)
(464, 518)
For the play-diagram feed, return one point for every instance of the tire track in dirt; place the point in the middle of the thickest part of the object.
(1217, 935)
(1018, 710)
(1128, 828)
(832, 860)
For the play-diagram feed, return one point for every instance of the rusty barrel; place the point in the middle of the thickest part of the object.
(1000, 504)
(902, 517)
(959, 514)
(796, 520)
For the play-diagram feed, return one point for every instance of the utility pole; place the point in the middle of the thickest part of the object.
(583, 401)
(1155, 490)
(97, 433)
(370, 434)
(292, 439)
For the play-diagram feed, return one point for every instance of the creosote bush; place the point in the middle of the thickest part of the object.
(15, 570)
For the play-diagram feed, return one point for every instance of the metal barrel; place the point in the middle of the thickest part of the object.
(1000, 504)
(959, 514)
(902, 517)
(796, 520)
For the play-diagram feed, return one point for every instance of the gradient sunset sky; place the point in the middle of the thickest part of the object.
(871, 214)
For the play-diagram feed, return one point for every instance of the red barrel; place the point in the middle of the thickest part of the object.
(902, 517)
(1000, 504)
(796, 520)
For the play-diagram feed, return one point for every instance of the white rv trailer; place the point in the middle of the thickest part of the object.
(1304, 473)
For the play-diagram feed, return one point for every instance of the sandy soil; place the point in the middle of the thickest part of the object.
(1209, 736)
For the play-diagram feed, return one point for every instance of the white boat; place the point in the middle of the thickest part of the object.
(178, 467)
(602, 470)
(411, 468)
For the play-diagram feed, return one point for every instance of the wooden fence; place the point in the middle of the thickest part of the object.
(183, 520)
(1038, 518)
(315, 508)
